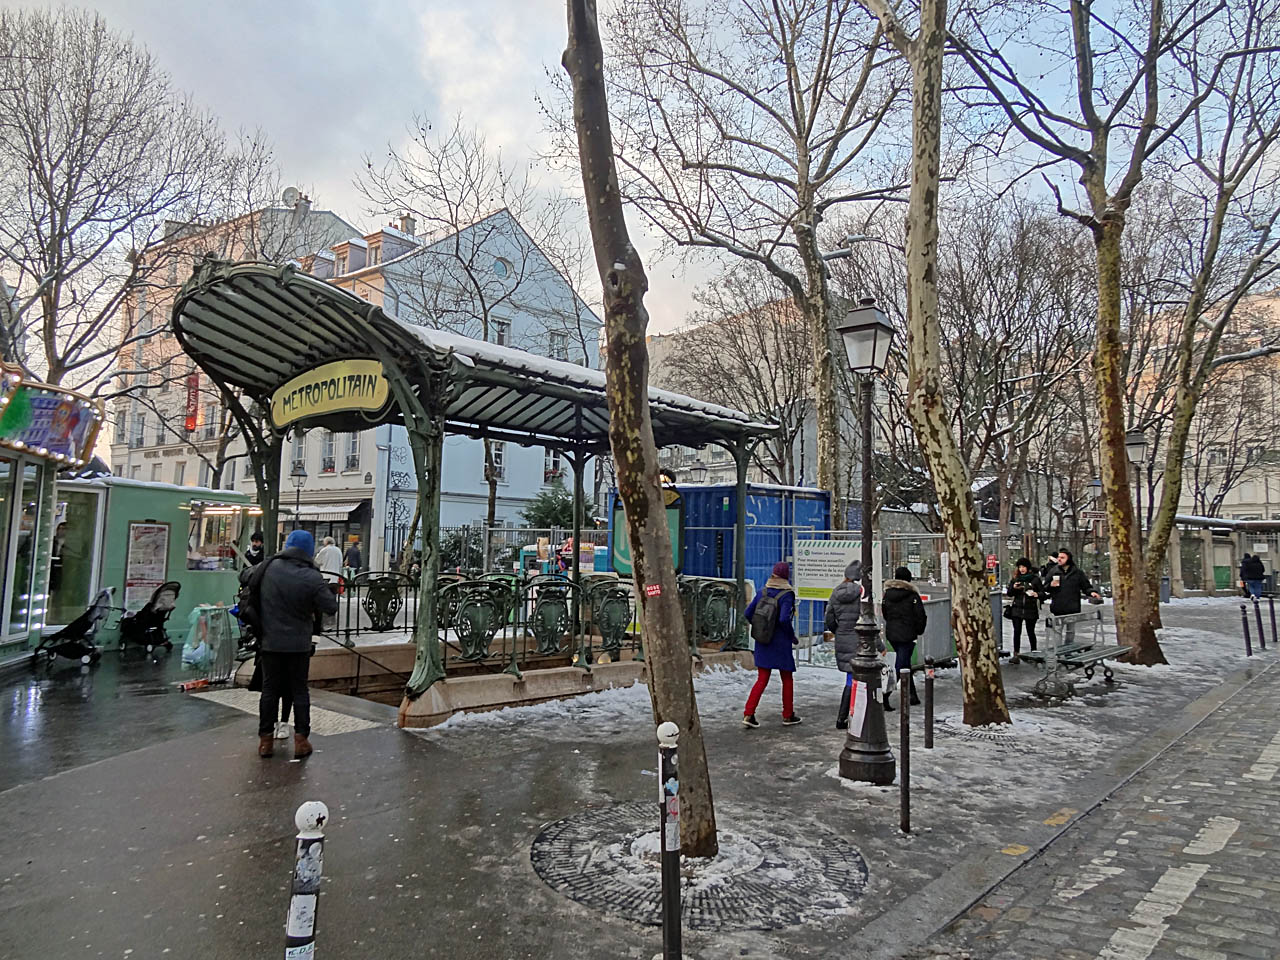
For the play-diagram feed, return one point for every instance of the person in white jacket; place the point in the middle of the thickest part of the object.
(329, 560)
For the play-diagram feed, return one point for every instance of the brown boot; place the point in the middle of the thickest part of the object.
(266, 746)
(301, 746)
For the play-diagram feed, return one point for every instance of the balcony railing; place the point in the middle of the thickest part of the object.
(353, 461)
(328, 464)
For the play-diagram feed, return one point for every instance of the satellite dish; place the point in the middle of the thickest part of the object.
(290, 195)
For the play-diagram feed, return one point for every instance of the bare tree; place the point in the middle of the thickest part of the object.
(488, 229)
(1120, 61)
(923, 49)
(635, 454)
(97, 151)
(742, 124)
(745, 348)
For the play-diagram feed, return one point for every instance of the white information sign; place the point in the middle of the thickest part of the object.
(819, 565)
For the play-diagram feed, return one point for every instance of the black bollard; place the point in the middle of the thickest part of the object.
(669, 838)
(1271, 602)
(304, 892)
(904, 758)
(1257, 613)
(1244, 619)
(928, 706)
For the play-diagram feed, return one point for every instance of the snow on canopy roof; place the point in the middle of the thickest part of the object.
(562, 370)
(255, 326)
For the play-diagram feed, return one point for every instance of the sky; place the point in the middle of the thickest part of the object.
(331, 82)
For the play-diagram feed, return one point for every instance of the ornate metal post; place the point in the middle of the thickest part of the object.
(866, 756)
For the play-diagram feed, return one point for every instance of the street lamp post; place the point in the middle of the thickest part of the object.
(1135, 448)
(298, 475)
(697, 473)
(866, 756)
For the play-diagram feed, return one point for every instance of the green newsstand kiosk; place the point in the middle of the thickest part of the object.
(134, 535)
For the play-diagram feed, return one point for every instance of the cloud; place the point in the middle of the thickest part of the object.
(331, 82)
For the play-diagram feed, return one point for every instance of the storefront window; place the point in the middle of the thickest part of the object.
(24, 548)
(71, 560)
(215, 530)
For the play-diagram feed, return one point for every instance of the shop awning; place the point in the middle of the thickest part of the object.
(326, 511)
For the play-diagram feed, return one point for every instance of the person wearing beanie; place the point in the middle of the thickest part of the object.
(904, 621)
(776, 606)
(292, 595)
(255, 554)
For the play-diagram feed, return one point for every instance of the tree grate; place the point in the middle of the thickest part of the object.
(763, 880)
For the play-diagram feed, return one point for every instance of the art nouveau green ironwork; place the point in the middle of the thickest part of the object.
(256, 329)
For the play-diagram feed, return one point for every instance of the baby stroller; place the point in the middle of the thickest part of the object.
(146, 627)
(75, 640)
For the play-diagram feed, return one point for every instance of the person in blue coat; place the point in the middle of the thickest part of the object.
(775, 655)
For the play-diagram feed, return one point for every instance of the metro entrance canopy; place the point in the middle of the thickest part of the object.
(289, 350)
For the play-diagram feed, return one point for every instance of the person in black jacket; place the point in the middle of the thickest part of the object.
(1253, 572)
(1025, 591)
(1066, 584)
(292, 595)
(904, 621)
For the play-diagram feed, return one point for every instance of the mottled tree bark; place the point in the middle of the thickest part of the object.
(631, 431)
(1128, 583)
(981, 682)
(815, 305)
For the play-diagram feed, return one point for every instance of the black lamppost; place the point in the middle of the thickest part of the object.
(1135, 448)
(866, 756)
(697, 473)
(299, 477)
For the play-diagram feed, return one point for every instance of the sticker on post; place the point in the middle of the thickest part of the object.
(671, 836)
(302, 915)
(673, 808)
(653, 590)
(304, 952)
(858, 707)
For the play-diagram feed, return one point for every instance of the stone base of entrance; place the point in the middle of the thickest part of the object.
(493, 692)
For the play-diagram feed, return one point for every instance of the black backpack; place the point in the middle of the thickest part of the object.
(249, 598)
(765, 619)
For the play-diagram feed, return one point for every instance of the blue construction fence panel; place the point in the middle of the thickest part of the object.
(774, 515)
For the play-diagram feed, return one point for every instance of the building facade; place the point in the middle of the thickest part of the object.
(487, 281)
(169, 424)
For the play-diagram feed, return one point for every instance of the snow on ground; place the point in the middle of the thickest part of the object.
(974, 788)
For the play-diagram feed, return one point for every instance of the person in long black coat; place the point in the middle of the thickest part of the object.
(1024, 591)
(904, 621)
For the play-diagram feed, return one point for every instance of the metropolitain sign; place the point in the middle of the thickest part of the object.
(337, 387)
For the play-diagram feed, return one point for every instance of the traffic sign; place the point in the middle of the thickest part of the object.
(1093, 515)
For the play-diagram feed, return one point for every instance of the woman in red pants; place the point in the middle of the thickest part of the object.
(776, 654)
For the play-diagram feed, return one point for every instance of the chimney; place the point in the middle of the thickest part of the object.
(407, 223)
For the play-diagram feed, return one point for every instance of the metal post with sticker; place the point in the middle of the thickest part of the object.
(669, 838)
(304, 892)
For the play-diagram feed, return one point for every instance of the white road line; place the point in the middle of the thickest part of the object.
(1164, 901)
(1213, 836)
(1098, 870)
(1268, 763)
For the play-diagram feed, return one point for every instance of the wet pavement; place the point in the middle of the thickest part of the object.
(141, 823)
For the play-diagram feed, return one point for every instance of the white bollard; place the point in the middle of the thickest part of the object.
(304, 892)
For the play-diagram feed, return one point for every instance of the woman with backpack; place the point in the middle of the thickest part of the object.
(770, 613)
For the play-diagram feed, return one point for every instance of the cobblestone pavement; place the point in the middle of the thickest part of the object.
(1183, 861)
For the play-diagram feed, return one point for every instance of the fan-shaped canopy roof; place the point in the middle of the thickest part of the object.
(260, 328)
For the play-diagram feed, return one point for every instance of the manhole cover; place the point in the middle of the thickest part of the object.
(608, 860)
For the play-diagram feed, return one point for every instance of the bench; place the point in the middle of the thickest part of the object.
(1065, 650)
(1088, 660)
(1078, 654)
